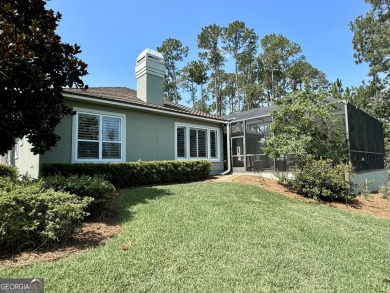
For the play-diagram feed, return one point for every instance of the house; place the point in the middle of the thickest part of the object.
(117, 124)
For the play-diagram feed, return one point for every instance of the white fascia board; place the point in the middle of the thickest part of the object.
(137, 107)
(255, 117)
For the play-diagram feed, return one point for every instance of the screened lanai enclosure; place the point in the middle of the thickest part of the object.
(250, 130)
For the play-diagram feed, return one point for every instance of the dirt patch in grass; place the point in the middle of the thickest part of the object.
(375, 204)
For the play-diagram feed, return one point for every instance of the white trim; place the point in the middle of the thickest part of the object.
(255, 117)
(149, 109)
(100, 113)
(187, 144)
(229, 152)
(17, 149)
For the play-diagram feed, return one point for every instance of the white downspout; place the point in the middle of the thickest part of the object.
(347, 132)
(228, 151)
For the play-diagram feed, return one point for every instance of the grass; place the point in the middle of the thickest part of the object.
(227, 237)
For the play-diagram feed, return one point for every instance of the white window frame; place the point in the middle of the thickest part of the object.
(122, 118)
(187, 142)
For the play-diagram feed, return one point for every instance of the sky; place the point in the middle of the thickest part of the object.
(113, 33)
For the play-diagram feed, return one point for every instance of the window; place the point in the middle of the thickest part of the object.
(99, 137)
(181, 142)
(197, 142)
(213, 144)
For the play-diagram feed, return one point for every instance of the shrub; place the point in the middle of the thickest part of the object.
(385, 189)
(33, 216)
(136, 173)
(320, 179)
(9, 171)
(85, 186)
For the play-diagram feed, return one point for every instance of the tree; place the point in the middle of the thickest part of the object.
(215, 88)
(302, 75)
(336, 90)
(188, 84)
(250, 80)
(34, 67)
(229, 92)
(239, 41)
(371, 39)
(195, 73)
(209, 41)
(304, 124)
(172, 51)
(278, 55)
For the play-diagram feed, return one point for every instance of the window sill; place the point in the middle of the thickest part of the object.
(99, 161)
(199, 159)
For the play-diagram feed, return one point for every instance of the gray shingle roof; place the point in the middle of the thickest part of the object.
(129, 96)
(263, 111)
(258, 112)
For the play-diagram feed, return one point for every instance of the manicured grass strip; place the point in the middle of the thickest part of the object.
(226, 237)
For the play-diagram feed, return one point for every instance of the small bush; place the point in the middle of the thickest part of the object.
(385, 189)
(8, 171)
(320, 179)
(33, 216)
(85, 186)
(136, 173)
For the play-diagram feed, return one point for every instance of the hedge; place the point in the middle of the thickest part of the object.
(85, 186)
(32, 216)
(9, 171)
(322, 179)
(135, 173)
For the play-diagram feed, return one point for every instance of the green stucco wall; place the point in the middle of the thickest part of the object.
(149, 136)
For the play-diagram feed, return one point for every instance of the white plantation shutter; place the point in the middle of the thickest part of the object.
(202, 143)
(88, 136)
(193, 142)
(213, 144)
(111, 129)
(198, 143)
(111, 150)
(181, 142)
(99, 137)
(88, 127)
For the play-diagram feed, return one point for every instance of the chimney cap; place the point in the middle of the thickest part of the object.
(151, 54)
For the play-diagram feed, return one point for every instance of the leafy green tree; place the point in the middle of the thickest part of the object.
(215, 88)
(336, 89)
(278, 54)
(371, 40)
(209, 41)
(188, 84)
(302, 75)
(195, 73)
(34, 67)
(173, 51)
(250, 80)
(304, 124)
(239, 42)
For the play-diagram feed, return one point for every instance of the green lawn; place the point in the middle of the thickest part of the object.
(227, 237)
